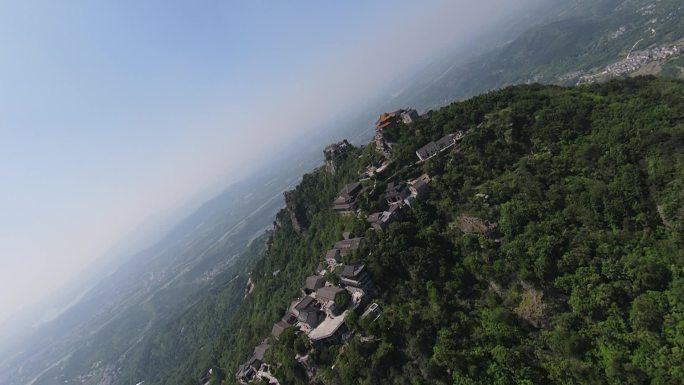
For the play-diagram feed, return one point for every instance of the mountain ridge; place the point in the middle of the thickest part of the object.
(515, 304)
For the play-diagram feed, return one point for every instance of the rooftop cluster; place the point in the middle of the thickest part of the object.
(324, 303)
(345, 202)
(320, 311)
(398, 197)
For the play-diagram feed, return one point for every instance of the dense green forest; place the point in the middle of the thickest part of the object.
(580, 281)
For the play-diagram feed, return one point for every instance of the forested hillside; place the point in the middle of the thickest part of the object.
(580, 280)
(572, 40)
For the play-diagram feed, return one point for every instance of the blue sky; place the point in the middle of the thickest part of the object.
(112, 111)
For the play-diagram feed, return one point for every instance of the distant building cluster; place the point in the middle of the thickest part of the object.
(632, 63)
(638, 59)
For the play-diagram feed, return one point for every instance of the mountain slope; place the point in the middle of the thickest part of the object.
(575, 39)
(89, 341)
(579, 282)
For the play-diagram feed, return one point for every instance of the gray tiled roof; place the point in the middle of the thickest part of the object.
(278, 328)
(304, 303)
(260, 350)
(328, 293)
(352, 244)
(332, 254)
(314, 282)
(351, 271)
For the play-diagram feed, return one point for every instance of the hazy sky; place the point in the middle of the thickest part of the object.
(111, 111)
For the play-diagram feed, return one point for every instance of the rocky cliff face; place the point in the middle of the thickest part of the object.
(295, 212)
(333, 155)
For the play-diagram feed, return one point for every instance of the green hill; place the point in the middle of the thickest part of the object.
(580, 282)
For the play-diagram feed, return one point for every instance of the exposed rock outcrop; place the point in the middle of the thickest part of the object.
(532, 308)
(250, 286)
(295, 212)
(333, 153)
(473, 225)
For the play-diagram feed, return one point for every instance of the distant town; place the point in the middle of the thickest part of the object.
(633, 62)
